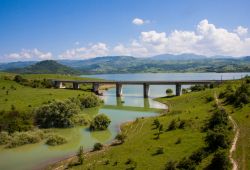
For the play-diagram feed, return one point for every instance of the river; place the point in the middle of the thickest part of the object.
(130, 106)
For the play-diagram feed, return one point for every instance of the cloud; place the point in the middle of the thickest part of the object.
(26, 54)
(241, 30)
(138, 21)
(90, 51)
(206, 39)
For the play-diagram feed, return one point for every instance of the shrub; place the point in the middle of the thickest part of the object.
(4, 138)
(120, 137)
(14, 120)
(156, 123)
(216, 139)
(159, 150)
(197, 88)
(90, 100)
(209, 98)
(198, 155)
(186, 164)
(169, 91)
(172, 125)
(23, 138)
(182, 124)
(184, 91)
(219, 118)
(97, 146)
(100, 122)
(170, 165)
(56, 114)
(178, 141)
(80, 155)
(220, 161)
(54, 140)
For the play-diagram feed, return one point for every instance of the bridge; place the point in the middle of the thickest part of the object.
(96, 84)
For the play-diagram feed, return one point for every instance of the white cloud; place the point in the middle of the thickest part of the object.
(138, 21)
(90, 51)
(26, 54)
(77, 43)
(206, 39)
(241, 30)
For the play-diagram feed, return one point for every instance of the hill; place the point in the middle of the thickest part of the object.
(45, 67)
(169, 57)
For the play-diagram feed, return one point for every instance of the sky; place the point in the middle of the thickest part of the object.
(82, 29)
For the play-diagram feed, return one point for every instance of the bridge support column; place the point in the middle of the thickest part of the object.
(118, 89)
(146, 103)
(145, 90)
(76, 86)
(95, 88)
(178, 89)
(58, 84)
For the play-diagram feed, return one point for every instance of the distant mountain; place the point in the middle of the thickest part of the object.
(45, 67)
(129, 64)
(172, 57)
(18, 64)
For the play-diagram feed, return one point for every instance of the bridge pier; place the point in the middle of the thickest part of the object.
(146, 103)
(58, 84)
(178, 89)
(145, 90)
(95, 88)
(118, 89)
(76, 86)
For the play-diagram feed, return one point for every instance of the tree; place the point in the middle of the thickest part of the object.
(97, 146)
(90, 100)
(220, 161)
(120, 137)
(169, 91)
(156, 123)
(100, 122)
(56, 114)
(80, 155)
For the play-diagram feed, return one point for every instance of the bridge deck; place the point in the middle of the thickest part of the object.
(170, 82)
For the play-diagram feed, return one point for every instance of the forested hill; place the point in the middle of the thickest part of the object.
(128, 64)
(45, 67)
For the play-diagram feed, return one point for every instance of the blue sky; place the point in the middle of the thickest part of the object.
(79, 29)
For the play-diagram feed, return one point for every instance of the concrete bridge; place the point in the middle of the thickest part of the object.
(96, 84)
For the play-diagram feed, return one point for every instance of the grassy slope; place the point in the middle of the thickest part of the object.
(24, 96)
(141, 145)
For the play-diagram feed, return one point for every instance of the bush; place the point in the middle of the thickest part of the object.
(186, 164)
(14, 120)
(23, 138)
(80, 155)
(54, 140)
(217, 138)
(120, 137)
(159, 150)
(100, 122)
(182, 124)
(220, 161)
(97, 146)
(172, 125)
(90, 100)
(197, 88)
(56, 114)
(209, 98)
(178, 141)
(4, 138)
(198, 155)
(170, 165)
(169, 91)
(156, 123)
(219, 118)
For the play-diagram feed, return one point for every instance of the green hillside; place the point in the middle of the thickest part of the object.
(45, 67)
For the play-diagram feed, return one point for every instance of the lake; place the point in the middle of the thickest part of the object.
(130, 106)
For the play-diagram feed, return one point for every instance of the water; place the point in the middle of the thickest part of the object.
(126, 108)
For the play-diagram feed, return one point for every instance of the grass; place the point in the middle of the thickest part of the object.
(141, 144)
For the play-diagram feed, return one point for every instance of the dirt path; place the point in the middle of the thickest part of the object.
(233, 147)
(236, 136)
